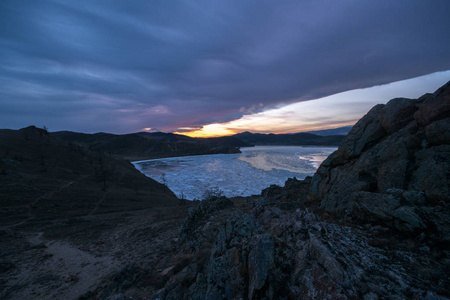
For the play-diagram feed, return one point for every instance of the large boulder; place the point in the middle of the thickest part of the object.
(431, 174)
(434, 107)
(392, 167)
(366, 132)
(228, 260)
(260, 260)
(398, 113)
(438, 132)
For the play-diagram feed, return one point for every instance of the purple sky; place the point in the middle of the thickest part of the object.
(121, 66)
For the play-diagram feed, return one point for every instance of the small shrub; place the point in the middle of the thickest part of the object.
(212, 193)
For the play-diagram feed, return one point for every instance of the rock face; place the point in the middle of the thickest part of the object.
(393, 167)
(273, 253)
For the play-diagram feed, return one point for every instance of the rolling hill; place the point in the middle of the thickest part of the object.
(297, 139)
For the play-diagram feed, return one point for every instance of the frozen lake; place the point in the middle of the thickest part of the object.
(244, 174)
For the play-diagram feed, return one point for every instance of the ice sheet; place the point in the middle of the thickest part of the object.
(241, 174)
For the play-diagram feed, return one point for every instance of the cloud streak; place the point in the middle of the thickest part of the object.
(333, 111)
(110, 64)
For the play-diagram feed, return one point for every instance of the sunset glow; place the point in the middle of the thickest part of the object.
(211, 130)
(209, 68)
(325, 113)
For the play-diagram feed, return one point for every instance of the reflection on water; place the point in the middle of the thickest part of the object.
(241, 174)
(292, 159)
(157, 167)
(315, 159)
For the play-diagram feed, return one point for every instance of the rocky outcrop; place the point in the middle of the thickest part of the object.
(273, 253)
(393, 167)
(292, 195)
(198, 214)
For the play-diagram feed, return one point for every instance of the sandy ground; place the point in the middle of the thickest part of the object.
(71, 258)
(61, 270)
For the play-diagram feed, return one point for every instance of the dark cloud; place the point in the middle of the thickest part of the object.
(121, 66)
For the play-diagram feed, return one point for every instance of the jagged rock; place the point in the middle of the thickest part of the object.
(118, 297)
(197, 291)
(383, 167)
(397, 113)
(271, 191)
(325, 270)
(260, 259)
(374, 206)
(386, 209)
(434, 107)
(293, 254)
(228, 265)
(407, 219)
(394, 160)
(294, 193)
(397, 193)
(438, 132)
(365, 133)
(201, 211)
(414, 198)
(432, 174)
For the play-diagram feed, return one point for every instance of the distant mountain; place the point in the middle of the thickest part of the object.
(335, 131)
(144, 145)
(297, 139)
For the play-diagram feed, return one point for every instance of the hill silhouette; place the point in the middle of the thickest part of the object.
(335, 131)
(296, 139)
(144, 145)
(43, 178)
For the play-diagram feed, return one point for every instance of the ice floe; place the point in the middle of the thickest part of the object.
(241, 174)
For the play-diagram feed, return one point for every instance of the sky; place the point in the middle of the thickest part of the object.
(209, 67)
(333, 111)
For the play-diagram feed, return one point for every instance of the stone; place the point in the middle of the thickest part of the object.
(260, 259)
(370, 296)
(438, 132)
(435, 107)
(229, 256)
(366, 132)
(320, 253)
(431, 174)
(407, 220)
(414, 198)
(392, 163)
(167, 271)
(397, 193)
(374, 206)
(397, 113)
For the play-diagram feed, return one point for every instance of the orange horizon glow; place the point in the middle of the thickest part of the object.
(329, 112)
(208, 130)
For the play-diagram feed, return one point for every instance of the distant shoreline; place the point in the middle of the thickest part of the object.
(304, 146)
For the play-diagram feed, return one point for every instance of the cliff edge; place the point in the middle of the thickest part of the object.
(393, 168)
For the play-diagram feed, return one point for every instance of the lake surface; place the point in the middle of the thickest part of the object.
(244, 174)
